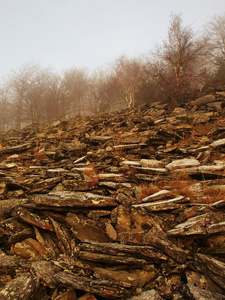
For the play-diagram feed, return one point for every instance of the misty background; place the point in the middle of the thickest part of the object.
(65, 58)
(89, 33)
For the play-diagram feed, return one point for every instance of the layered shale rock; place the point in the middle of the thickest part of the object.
(129, 205)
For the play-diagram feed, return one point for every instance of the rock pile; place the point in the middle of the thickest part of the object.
(129, 205)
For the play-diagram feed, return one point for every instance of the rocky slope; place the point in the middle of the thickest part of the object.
(129, 205)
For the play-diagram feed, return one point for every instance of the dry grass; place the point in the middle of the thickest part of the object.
(147, 190)
(39, 156)
(179, 184)
(118, 152)
(213, 194)
(199, 131)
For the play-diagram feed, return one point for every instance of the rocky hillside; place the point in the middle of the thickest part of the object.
(129, 205)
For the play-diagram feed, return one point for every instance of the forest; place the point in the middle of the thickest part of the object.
(175, 71)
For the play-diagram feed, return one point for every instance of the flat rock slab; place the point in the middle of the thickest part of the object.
(74, 199)
(89, 230)
(152, 163)
(160, 171)
(197, 225)
(100, 139)
(26, 216)
(163, 205)
(146, 252)
(21, 288)
(16, 149)
(216, 228)
(9, 262)
(218, 143)
(165, 245)
(6, 206)
(163, 194)
(204, 100)
(103, 288)
(183, 163)
(210, 267)
(196, 293)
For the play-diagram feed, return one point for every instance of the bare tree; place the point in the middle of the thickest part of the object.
(56, 104)
(103, 91)
(181, 59)
(76, 85)
(36, 99)
(127, 75)
(19, 84)
(215, 31)
(4, 109)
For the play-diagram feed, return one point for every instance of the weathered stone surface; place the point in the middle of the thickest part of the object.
(204, 100)
(198, 225)
(16, 149)
(162, 205)
(165, 245)
(197, 293)
(31, 218)
(22, 287)
(218, 143)
(90, 231)
(182, 163)
(114, 206)
(74, 199)
(152, 294)
(45, 271)
(211, 267)
(163, 194)
(103, 288)
(6, 206)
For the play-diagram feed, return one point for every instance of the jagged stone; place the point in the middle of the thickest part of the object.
(162, 205)
(115, 205)
(197, 225)
(6, 206)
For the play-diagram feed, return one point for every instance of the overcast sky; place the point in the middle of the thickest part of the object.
(89, 33)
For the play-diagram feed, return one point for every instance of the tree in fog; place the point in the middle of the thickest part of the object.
(103, 91)
(215, 32)
(76, 84)
(19, 84)
(4, 109)
(37, 96)
(57, 104)
(127, 75)
(179, 61)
